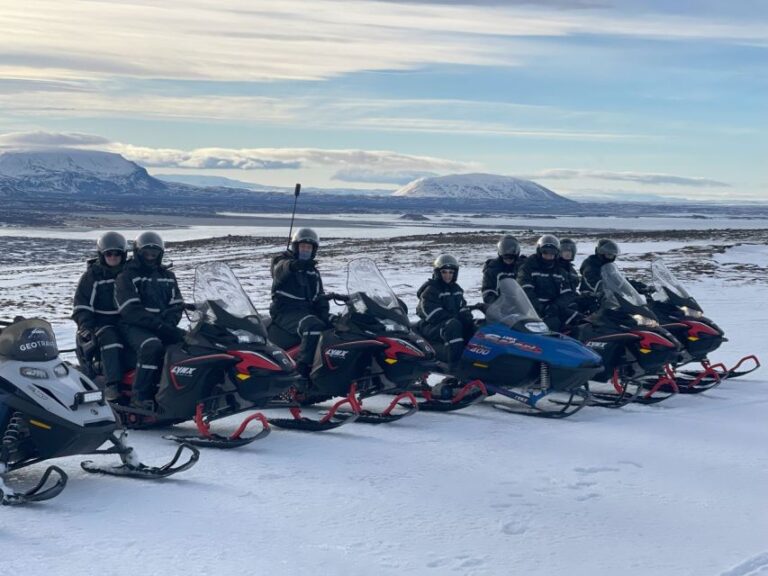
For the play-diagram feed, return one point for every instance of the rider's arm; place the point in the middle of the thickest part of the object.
(130, 306)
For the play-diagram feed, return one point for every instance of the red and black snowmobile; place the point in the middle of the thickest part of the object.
(633, 345)
(225, 365)
(370, 349)
(682, 315)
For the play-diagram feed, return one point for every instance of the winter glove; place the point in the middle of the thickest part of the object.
(171, 334)
(85, 335)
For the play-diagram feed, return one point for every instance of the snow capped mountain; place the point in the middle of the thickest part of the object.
(73, 171)
(481, 187)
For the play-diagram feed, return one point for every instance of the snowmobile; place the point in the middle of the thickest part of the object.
(633, 346)
(514, 354)
(370, 349)
(48, 409)
(682, 315)
(225, 365)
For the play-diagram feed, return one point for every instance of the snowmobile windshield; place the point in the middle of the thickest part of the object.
(663, 279)
(371, 296)
(618, 289)
(364, 276)
(512, 306)
(216, 283)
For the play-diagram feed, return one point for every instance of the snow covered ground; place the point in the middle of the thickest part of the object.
(676, 488)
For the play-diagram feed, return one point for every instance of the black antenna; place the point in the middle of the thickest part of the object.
(293, 214)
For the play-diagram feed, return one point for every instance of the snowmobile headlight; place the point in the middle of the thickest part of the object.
(61, 370)
(33, 373)
(88, 397)
(691, 312)
(538, 327)
(392, 326)
(245, 337)
(645, 321)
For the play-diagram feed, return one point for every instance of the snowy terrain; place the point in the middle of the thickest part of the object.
(676, 488)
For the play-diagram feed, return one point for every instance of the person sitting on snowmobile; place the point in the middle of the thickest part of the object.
(505, 265)
(150, 305)
(547, 284)
(299, 311)
(445, 319)
(590, 287)
(95, 311)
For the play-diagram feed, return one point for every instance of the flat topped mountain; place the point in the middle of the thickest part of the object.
(74, 171)
(481, 187)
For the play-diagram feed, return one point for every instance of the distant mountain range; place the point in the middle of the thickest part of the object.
(100, 174)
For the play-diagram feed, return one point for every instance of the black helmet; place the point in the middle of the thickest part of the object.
(305, 235)
(446, 262)
(110, 241)
(548, 242)
(508, 246)
(568, 245)
(607, 249)
(148, 240)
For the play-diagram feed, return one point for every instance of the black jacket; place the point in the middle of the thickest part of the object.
(544, 282)
(94, 303)
(439, 302)
(148, 297)
(591, 277)
(297, 287)
(572, 277)
(494, 271)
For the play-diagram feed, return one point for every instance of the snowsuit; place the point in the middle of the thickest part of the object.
(590, 288)
(150, 305)
(547, 285)
(494, 271)
(445, 319)
(298, 310)
(97, 317)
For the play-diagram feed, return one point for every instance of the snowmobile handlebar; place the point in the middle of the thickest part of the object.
(336, 297)
(480, 306)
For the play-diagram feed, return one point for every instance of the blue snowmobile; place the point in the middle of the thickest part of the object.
(515, 355)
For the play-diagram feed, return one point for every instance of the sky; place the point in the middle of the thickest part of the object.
(626, 98)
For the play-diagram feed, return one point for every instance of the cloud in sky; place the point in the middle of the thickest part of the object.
(378, 177)
(638, 177)
(306, 39)
(376, 161)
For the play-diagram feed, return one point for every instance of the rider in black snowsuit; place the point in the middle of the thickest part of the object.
(590, 288)
(150, 305)
(299, 309)
(445, 319)
(506, 265)
(95, 311)
(547, 284)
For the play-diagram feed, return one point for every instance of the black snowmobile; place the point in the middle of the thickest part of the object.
(514, 354)
(369, 350)
(225, 365)
(48, 409)
(634, 347)
(682, 315)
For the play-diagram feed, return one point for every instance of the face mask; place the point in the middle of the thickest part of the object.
(305, 253)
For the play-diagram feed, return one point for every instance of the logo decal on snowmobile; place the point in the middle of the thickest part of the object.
(37, 344)
(514, 342)
(477, 349)
(336, 353)
(597, 345)
(183, 370)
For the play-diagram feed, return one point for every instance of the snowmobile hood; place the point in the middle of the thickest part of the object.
(29, 340)
(555, 349)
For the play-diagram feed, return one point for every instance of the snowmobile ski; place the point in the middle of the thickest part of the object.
(471, 393)
(542, 403)
(624, 391)
(39, 492)
(387, 415)
(132, 466)
(208, 439)
(330, 420)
